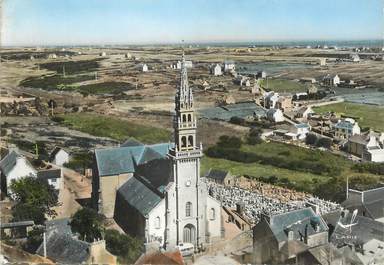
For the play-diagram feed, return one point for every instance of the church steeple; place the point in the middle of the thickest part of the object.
(185, 118)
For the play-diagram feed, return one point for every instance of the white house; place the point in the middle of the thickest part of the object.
(52, 176)
(355, 58)
(331, 80)
(229, 66)
(216, 70)
(275, 115)
(368, 146)
(59, 156)
(345, 128)
(302, 129)
(144, 68)
(14, 166)
(304, 112)
(270, 100)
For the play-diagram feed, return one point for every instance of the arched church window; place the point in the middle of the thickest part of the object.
(212, 214)
(188, 209)
(189, 117)
(184, 141)
(157, 222)
(190, 140)
(184, 118)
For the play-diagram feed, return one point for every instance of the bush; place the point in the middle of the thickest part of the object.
(324, 142)
(311, 139)
(125, 247)
(374, 168)
(229, 142)
(88, 223)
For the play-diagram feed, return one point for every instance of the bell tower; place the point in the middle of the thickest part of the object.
(187, 208)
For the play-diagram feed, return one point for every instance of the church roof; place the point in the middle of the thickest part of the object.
(139, 195)
(121, 160)
(217, 174)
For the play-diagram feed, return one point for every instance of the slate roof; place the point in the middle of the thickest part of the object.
(217, 174)
(344, 125)
(139, 195)
(364, 230)
(62, 247)
(49, 174)
(8, 162)
(121, 160)
(296, 221)
(302, 125)
(17, 224)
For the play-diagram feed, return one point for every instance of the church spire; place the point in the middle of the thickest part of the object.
(185, 118)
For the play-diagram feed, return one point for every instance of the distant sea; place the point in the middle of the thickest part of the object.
(297, 43)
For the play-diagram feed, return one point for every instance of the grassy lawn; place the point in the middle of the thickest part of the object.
(105, 88)
(370, 116)
(302, 180)
(72, 67)
(55, 82)
(282, 85)
(115, 128)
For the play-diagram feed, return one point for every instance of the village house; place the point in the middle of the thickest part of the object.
(345, 128)
(59, 156)
(302, 129)
(323, 61)
(280, 238)
(331, 80)
(221, 177)
(275, 115)
(355, 58)
(369, 203)
(63, 247)
(103, 54)
(52, 176)
(270, 100)
(368, 146)
(242, 81)
(52, 56)
(261, 75)
(13, 167)
(143, 67)
(312, 89)
(216, 70)
(304, 112)
(229, 66)
(284, 103)
(155, 192)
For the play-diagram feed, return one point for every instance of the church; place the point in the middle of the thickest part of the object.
(155, 192)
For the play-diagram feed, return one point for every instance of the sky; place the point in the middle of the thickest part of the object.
(71, 22)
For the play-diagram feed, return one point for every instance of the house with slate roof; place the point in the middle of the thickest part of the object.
(65, 248)
(369, 146)
(59, 156)
(221, 177)
(14, 166)
(279, 238)
(345, 128)
(155, 192)
(369, 203)
(52, 176)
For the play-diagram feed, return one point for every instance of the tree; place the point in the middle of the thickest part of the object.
(34, 239)
(88, 223)
(311, 139)
(254, 136)
(324, 142)
(125, 247)
(34, 199)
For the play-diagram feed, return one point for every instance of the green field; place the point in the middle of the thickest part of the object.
(283, 85)
(115, 128)
(55, 82)
(105, 88)
(72, 67)
(301, 180)
(369, 116)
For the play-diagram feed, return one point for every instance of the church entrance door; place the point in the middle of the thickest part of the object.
(189, 234)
